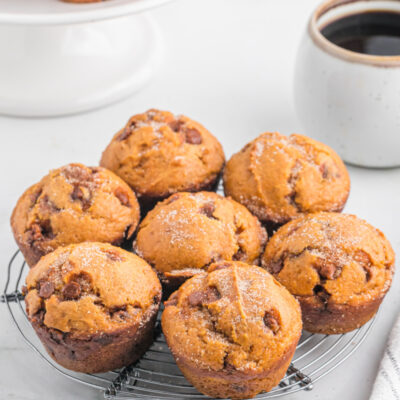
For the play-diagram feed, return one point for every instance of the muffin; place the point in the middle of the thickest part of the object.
(87, 308)
(232, 331)
(74, 204)
(338, 266)
(158, 154)
(187, 232)
(279, 178)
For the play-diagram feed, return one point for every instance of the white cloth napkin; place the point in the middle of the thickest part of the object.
(387, 383)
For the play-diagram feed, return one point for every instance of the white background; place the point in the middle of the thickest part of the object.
(229, 65)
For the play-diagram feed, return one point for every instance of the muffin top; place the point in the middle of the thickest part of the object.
(331, 258)
(91, 288)
(236, 317)
(73, 204)
(278, 177)
(158, 153)
(193, 230)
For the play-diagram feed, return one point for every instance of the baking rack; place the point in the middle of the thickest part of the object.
(156, 376)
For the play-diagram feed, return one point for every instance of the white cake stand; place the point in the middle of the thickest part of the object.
(60, 58)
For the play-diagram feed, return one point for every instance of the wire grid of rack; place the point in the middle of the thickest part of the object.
(156, 376)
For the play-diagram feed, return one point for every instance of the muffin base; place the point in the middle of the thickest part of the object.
(148, 201)
(334, 319)
(98, 353)
(271, 224)
(236, 384)
(171, 281)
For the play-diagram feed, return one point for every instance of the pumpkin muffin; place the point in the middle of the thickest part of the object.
(232, 331)
(74, 204)
(87, 308)
(158, 154)
(338, 266)
(187, 232)
(279, 178)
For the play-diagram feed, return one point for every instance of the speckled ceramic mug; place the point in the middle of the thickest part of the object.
(349, 100)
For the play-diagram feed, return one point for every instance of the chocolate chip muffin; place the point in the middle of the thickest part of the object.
(233, 331)
(158, 154)
(338, 266)
(279, 178)
(187, 232)
(87, 308)
(74, 204)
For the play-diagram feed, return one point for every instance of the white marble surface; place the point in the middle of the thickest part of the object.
(229, 65)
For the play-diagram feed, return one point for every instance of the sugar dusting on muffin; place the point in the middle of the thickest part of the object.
(74, 204)
(158, 154)
(192, 230)
(232, 331)
(338, 266)
(278, 178)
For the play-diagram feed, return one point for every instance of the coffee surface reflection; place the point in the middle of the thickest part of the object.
(372, 32)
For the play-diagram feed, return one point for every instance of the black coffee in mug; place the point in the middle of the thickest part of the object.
(372, 32)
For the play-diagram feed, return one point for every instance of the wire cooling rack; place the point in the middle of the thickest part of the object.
(156, 376)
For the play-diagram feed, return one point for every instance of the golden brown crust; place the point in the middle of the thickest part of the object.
(232, 331)
(85, 303)
(73, 204)
(159, 154)
(188, 231)
(279, 178)
(338, 266)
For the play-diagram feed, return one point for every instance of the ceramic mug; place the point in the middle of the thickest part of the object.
(348, 100)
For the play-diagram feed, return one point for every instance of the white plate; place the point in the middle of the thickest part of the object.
(54, 12)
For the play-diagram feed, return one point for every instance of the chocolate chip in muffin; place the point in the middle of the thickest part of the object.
(293, 175)
(324, 170)
(365, 261)
(122, 196)
(72, 290)
(271, 321)
(41, 230)
(208, 209)
(275, 266)
(82, 194)
(113, 255)
(193, 136)
(176, 125)
(200, 298)
(97, 316)
(46, 289)
(172, 166)
(47, 206)
(125, 134)
(327, 269)
(321, 293)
